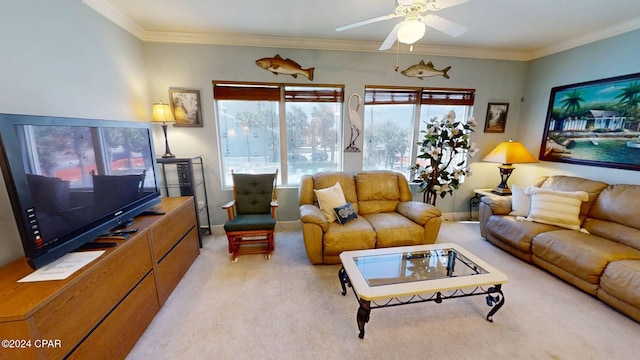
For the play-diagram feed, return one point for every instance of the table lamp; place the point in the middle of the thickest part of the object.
(162, 115)
(508, 153)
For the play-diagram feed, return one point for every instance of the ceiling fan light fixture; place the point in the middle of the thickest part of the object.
(411, 31)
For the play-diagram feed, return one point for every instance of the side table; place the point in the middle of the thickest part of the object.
(475, 200)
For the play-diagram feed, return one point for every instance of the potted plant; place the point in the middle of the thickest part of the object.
(444, 151)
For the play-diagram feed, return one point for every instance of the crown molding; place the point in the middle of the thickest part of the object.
(107, 10)
(327, 44)
(104, 8)
(619, 29)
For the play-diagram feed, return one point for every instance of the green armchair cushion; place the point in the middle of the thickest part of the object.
(254, 193)
(250, 222)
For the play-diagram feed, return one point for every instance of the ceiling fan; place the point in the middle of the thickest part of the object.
(413, 27)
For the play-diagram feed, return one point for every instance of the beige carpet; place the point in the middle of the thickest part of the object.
(286, 308)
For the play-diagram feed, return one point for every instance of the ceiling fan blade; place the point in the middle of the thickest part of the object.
(443, 4)
(446, 26)
(391, 38)
(365, 22)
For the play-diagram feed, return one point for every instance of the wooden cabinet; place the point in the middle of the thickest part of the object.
(169, 256)
(101, 310)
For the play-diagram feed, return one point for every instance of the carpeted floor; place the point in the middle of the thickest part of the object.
(286, 308)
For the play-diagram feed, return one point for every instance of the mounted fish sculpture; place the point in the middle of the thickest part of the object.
(422, 70)
(278, 65)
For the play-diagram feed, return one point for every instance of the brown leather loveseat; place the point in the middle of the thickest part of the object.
(601, 257)
(386, 215)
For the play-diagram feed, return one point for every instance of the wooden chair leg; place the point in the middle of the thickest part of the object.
(230, 240)
(236, 242)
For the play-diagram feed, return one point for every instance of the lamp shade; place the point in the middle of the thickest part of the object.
(411, 31)
(510, 152)
(162, 113)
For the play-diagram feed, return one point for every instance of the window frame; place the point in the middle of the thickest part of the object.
(283, 93)
(418, 97)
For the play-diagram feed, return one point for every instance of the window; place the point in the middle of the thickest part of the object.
(394, 117)
(267, 126)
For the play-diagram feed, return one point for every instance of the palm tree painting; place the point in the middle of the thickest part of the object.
(629, 98)
(571, 103)
(595, 123)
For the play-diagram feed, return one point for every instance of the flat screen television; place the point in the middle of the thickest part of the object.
(70, 180)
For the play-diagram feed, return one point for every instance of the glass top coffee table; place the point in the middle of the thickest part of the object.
(411, 274)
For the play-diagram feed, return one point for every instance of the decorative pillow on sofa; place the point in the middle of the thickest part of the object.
(345, 213)
(559, 208)
(330, 198)
(520, 201)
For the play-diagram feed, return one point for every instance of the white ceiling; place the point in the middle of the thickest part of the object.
(499, 29)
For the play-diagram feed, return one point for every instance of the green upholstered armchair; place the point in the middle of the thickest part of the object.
(252, 212)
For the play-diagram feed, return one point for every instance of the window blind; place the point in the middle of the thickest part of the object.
(246, 91)
(315, 93)
(271, 92)
(433, 96)
(442, 96)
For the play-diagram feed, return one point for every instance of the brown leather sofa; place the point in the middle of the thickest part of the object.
(386, 215)
(603, 261)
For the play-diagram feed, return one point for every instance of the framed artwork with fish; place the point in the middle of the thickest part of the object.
(496, 117)
(186, 108)
(595, 123)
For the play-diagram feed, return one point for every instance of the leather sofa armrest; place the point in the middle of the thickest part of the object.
(314, 225)
(418, 212)
(492, 205)
(313, 215)
(499, 205)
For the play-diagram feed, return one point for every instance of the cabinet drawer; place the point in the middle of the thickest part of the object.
(77, 310)
(17, 330)
(165, 234)
(170, 270)
(117, 335)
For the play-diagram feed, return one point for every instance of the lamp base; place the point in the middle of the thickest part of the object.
(501, 191)
(505, 172)
(167, 152)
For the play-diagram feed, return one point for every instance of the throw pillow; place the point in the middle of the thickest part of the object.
(330, 198)
(520, 201)
(559, 208)
(345, 213)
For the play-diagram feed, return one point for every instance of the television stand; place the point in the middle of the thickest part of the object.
(100, 311)
(125, 224)
(92, 245)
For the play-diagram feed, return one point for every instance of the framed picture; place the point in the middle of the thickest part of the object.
(594, 123)
(185, 105)
(496, 117)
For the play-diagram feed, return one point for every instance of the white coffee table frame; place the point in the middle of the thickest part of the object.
(414, 292)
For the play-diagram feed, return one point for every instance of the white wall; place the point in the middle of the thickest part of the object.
(603, 59)
(196, 66)
(61, 58)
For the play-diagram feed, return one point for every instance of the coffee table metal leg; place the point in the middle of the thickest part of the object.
(496, 301)
(364, 311)
(344, 280)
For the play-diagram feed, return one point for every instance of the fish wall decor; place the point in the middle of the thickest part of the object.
(422, 70)
(278, 65)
